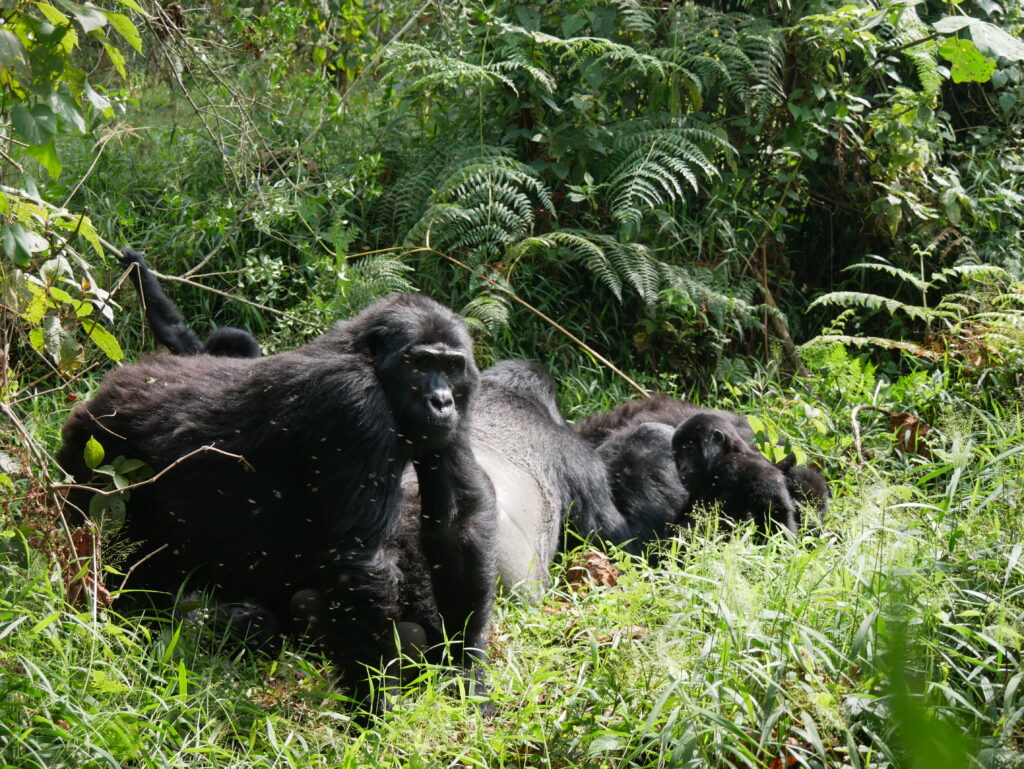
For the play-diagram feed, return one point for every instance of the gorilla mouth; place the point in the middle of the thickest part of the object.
(435, 433)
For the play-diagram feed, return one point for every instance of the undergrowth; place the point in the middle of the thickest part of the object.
(887, 635)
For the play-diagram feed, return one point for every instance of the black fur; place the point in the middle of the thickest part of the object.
(635, 442)
(644, 480)
(169, 328)
(716, 464)
(324, 432)
(542, 473)
(750, 487)
(807, 486)
(597, 428)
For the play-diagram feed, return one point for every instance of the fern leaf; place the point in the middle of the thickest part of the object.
(874, 302)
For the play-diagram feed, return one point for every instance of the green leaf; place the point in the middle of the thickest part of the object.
(52, 15)
(64, 107)
(969, 65)
(12, 55)
(46, 156)
(117, 59)
(93, 453)
(105, 341)
(89, 17)
(125, 29)
(989, 39)
(36, 124)
(36, 339)
(126, 466)
(14, 245)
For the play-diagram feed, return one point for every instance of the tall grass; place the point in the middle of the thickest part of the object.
(887, 636)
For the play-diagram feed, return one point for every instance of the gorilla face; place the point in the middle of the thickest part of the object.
(427, 387)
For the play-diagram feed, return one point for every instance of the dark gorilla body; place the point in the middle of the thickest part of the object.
(644, 481)
(314, 505)
(655, 486)
(635, 442)
(169, 327)
(717, 464)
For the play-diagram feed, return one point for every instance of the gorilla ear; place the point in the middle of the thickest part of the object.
(785, 465)
(718, 437)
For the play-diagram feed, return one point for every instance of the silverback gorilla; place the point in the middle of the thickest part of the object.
(313, 498)
(542, 472)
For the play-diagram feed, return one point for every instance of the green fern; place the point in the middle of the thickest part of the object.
(741, 54)
(486, 312)
(484, 202)
(614, 263)
(922, 55)
(654, 165)
(634, 17)
(577, 52)
(438, 69)
(370, 278)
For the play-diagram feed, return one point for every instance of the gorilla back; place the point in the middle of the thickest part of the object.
(541, 471)
(322, 435)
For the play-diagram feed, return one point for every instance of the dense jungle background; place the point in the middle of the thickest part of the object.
(809, 212)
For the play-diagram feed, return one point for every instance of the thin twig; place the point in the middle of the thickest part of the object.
(153, 479)
(139, 563)
(551, 321)
(282, 313)
(856, 426)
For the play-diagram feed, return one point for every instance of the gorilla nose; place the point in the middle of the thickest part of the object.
(442, 402)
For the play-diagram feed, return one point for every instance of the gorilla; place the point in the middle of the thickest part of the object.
(716, 464)
(293, 483)
(543, 474)
(645, 483)
(541, 471)
(169, 328)
(653, 490)
(634, 441)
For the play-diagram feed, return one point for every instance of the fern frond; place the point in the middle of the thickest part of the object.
(372, 277)
(653, 164)
(574, 52)
(971, 272)
(634, 17)
(875, 302)
(890, 269)
(517, 62)
(741, 54)
(886, 344)
(437, 68)
(486, 312)
(922, 55)
(484, 202)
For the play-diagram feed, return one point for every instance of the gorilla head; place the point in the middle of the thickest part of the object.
(422, 362)
(700, 443)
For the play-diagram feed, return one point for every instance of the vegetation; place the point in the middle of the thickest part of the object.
(788, 209)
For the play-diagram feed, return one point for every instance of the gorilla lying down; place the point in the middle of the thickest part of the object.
(301, 489)
(665, 456)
